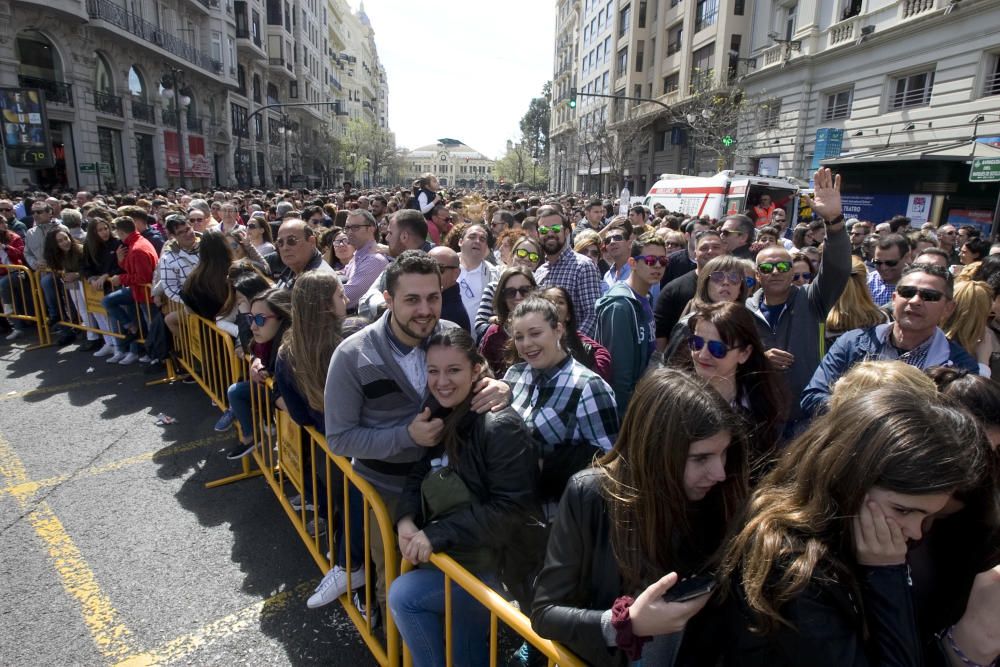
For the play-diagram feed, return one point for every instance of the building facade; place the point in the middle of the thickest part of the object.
(673, 53)
(878, 75)
(160, 94)
(454, 163)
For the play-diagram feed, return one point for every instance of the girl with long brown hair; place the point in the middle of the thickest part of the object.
(655, 507)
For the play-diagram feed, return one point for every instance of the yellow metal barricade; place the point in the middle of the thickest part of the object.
(92, 302)
(500, 610)
(23, 290)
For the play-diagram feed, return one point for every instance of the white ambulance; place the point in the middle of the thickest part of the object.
(723, 194)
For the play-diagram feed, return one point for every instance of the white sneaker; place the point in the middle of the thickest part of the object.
(144, 359)
(8, 309)
(105, 351)
(116, 357)
(13, 335)
(334, 585)
(129, 358)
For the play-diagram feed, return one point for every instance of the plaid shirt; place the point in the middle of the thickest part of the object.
(546, 400)
(881, 291)
(579, 276)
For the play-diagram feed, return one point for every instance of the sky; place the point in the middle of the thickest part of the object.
(462, 69)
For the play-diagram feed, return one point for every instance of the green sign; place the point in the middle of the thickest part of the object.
(88, 167)
(104, 167)
(985, 169)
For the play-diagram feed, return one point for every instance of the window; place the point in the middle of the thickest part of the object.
(849, 8)
(622, 66)
(241, 80)
(624, 20)
(640, 49)
(992, 82)
(671, 83)
(674, 3)
(239, 121)
(702, 68)
(912, 91)
(735, 42)
(739, 6)
(790, 12)
(642, 14)
(293, 89)
(705, 13)
(605, 82)
(258, 128)
(838, 104)
(769, 115)
(674, 36)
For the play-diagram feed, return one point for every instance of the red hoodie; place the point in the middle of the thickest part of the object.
(139, 264)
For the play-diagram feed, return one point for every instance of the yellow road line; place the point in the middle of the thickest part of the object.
(28, 488)
(41, 391)
(185, 645)
(110, 635)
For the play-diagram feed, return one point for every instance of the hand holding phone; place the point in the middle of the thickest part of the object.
(691, 588)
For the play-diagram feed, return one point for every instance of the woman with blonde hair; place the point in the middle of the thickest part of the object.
(855, 308)
(967, 323)
(588, 243)
(868, 376)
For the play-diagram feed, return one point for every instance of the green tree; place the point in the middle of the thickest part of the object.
(535, 124)
(518, 165)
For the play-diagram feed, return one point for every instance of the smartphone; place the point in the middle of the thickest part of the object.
(691, 588)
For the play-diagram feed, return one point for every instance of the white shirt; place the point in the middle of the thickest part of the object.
(471, 285)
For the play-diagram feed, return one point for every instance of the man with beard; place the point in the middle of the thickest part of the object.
(567, 269)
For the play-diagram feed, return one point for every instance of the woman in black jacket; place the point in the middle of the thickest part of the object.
(655, 507)
(466, 498)
(819, 575)
(100, 262)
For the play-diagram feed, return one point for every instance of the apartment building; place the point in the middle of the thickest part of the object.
(668, 51)
(104, 66)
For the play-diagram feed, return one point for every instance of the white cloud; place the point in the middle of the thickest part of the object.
(464, 69)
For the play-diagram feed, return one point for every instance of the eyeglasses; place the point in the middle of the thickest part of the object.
(260, 319)
(351, 227)
(909, 291)
(555, 229)
(253, 225)
(610, 238)
(336, 242)
(771, 267)
(466, 289)
(859, 232)
(522, 253)
(726, 233)
(716, 348)
(653, 260)
(511, 292)
(802, 276)
(720, 277)
(291, 241)
(888, 262)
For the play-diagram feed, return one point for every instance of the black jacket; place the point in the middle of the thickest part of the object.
(828, 627)
(452, 308)
(672, 301)
(499, 465)
(106, 263)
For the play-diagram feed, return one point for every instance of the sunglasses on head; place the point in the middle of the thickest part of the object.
(909, 291)
(511, 292)
(555, 229)
(802, 276)
(887, 262)
(290, 241)
(652, 260)
(260, 319)
(716, 348)
(719, 277)
(771, 267)
(522, 253)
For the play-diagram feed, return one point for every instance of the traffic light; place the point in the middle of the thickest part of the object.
(572, 98)
(728, 140)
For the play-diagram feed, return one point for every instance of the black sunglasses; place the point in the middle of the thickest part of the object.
(888, 262)
(802, 276)
(909, 291)
(716, 348)
(511, 292)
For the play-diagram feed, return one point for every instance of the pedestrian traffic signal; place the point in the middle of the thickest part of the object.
(728, 140)
(572, 98)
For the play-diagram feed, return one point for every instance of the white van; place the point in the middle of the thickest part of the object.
(723, 194)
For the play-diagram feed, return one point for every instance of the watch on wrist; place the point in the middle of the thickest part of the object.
(836, 221)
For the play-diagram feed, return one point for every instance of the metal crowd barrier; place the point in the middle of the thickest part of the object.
(500, 610)
(23, 292)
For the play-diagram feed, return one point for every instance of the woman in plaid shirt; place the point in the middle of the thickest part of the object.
(569, 408)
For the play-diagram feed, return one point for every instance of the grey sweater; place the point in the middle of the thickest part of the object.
(368, 404)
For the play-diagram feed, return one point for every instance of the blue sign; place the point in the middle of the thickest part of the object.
(829, 141)
(874, 208)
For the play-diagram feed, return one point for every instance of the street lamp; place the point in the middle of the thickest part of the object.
(171, 83)
(286, 129)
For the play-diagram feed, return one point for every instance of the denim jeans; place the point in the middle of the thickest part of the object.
(416, 601)
(15, 290)
(49, 287)
(239, 403)
(121, 311)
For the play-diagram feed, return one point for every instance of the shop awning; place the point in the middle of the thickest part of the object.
(958, 151)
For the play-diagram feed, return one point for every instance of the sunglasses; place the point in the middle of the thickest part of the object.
(716, 348)
(751, 282)
(653, 260)
(909, 291)
(610, 238)
(726, 233)
(555, 229)
(522, 253)
(290, 241)
(887, 262)
(771, 267)
(802, 276)
(719, 277)
(260, 319)
(511, 292)
(253, 225)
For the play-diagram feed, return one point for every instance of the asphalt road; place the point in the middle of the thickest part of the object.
(111, 549)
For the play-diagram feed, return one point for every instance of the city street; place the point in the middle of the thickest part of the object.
(112, 551)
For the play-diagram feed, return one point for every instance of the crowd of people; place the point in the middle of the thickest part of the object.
(670, 439)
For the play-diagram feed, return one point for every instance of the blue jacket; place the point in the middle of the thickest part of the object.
(864, 345)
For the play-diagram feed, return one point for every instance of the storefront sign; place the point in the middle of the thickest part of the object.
(874, 208)
(918, 209)
(25, 128)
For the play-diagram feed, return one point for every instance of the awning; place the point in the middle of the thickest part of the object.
(958, 151)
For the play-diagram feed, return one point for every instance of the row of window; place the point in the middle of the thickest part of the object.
(446, 168)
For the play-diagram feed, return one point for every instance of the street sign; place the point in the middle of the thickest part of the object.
(88, 167)
(104, 167)
(984, 170)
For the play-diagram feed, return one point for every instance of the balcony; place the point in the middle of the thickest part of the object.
(169, 117)
(195, 124)
(56, 92)
(913, 8)
(109, 12)
(844, 31)
(143, 112)
(107, 103)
